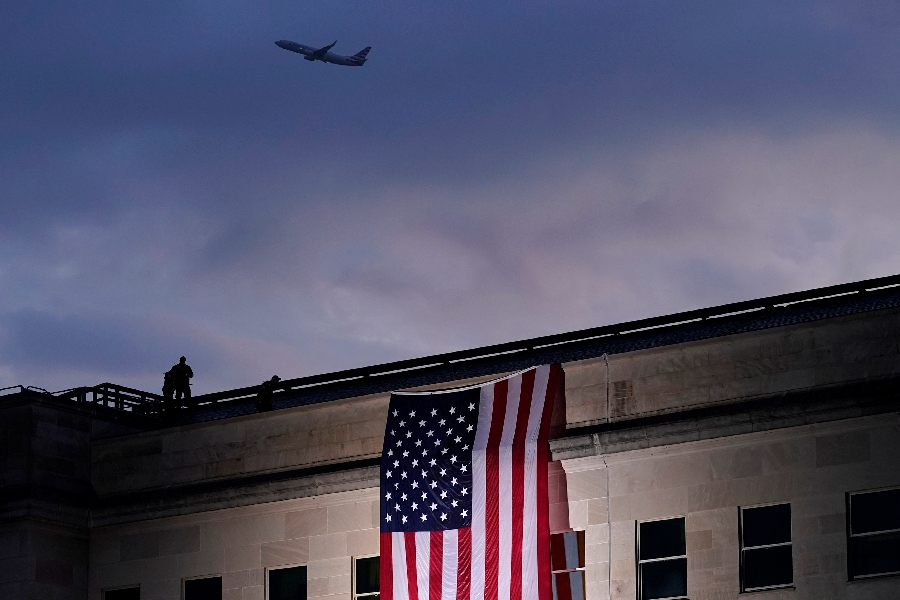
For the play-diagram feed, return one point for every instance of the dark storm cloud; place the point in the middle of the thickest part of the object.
(495, 171)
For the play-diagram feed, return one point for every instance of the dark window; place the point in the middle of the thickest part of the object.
(766, 551)
(662, 559)
(287, 584)
(208, 588)
(874, 533)
(367, 576)
(132, 593)
(567, 565)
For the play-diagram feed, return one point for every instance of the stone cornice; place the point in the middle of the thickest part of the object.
(762, 413)
(236, 491)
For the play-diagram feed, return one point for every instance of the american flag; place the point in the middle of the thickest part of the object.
(464, 504)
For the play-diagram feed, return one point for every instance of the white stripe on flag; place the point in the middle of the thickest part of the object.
(398, 566)
(541, 378)
(479, 491)
(485, 414)
(423, 563)
(529, 510)
(506, 486)
(449, 566)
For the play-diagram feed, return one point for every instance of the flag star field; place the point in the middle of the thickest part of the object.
(426, 474)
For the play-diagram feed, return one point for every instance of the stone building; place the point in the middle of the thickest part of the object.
(749, 446)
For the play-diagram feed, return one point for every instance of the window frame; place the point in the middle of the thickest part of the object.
(851, 535)
(353, 593)
(582, 568)
(639, 563)
(289, 566)
(210, 576)
(742, 548)
(120, 587)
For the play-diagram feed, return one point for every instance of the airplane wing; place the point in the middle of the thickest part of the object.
(324, 50)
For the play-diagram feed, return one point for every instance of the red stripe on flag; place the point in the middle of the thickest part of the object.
(436, 566)
(545, 590)
(557, 552)
(563, 587)
(518, 485)
(464, 564)
(385, 567)
(409, 537)
(553, 381)
(492, 497)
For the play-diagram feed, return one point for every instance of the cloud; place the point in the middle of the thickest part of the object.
(61, 351)
(695, 219)
(690, 223)
(175, 184)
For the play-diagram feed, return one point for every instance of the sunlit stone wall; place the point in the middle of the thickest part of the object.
(603, 484)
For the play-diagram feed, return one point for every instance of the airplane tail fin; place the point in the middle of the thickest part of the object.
(362, 53)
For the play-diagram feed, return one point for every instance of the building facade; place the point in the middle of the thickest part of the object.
(751, 448)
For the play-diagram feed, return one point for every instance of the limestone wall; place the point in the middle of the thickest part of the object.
(332, 432)
(337, 431)
(238, 544)
(812, 467)
(44, 482)
(659, 380)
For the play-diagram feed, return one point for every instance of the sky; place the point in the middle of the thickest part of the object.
(172, 183)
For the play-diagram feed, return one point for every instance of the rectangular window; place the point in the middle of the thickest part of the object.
(766, 550)
(203, 588)
(129, 593)
(286, 583)
(662, 559)
(567, 565)
(367, 578)
(874, 533)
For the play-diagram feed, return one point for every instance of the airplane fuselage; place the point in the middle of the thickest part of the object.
(323, 54)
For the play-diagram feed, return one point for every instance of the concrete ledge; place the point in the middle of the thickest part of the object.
(790, 409)
(230, 493)
(24, 503)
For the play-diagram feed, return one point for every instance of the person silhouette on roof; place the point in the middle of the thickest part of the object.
(181, 375)
(264, 397)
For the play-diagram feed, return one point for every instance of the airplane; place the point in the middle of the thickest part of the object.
(323, 54)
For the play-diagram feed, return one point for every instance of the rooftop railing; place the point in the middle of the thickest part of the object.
(115, 396)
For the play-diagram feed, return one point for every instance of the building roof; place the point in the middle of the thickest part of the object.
(729, 319)
(740, 317)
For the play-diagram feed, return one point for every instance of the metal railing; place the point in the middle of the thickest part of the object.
(136, 401)
(115, 396)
